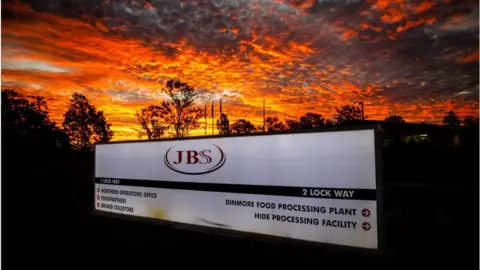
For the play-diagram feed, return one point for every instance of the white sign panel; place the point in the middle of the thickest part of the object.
(318, 187)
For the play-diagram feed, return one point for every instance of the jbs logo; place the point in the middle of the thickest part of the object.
(192, 157)
(195, 161)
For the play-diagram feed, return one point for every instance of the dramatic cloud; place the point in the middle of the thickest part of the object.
(414, 58)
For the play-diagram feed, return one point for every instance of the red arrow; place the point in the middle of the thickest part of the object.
(366, 226)
(366, 212)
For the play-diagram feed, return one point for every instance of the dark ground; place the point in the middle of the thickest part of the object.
(432, 222)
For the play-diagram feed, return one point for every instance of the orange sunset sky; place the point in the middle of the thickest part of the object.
(418, 59)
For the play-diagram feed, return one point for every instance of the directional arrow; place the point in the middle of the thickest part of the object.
(366, 226)
(366, 212)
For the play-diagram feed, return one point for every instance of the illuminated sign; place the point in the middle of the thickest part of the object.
(317, 186)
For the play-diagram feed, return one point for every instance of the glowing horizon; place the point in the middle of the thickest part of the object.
(418, 60)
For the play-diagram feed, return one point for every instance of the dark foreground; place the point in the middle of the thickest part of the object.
(47, 222)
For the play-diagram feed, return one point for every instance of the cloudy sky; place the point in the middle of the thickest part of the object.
(417, 58)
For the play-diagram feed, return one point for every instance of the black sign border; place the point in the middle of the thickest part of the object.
(381, 239)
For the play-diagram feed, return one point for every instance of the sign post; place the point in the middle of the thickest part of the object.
(320, 187)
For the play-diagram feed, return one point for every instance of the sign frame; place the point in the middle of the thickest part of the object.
(264, 237)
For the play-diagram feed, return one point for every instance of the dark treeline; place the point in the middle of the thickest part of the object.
(28, 133)
(178, 115)
(29, 136)
(344, 115)
(26, 124)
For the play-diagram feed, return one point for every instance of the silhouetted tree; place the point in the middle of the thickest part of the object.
(84, 125)
(451, 119)
(471, 121)
(292, 125)
(154, 122)
(223, 125)
(179, 108)
(312, 120)
(273, 124)
(348, 113)
(26, 124)
(395, 119)
(243, 126)
(329, 123)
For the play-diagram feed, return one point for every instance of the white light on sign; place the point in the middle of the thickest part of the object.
(318, 187)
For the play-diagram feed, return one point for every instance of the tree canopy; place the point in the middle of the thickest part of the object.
(175, 116)
(395, 119)
(84, 125)
(26, 123)
(292, 124)
(471, 121)
(348, 113)
(243, 126)
(312, 120)
(154, 122)
(451, 119)
(179, 108)
(273, 124)
(223, 125)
